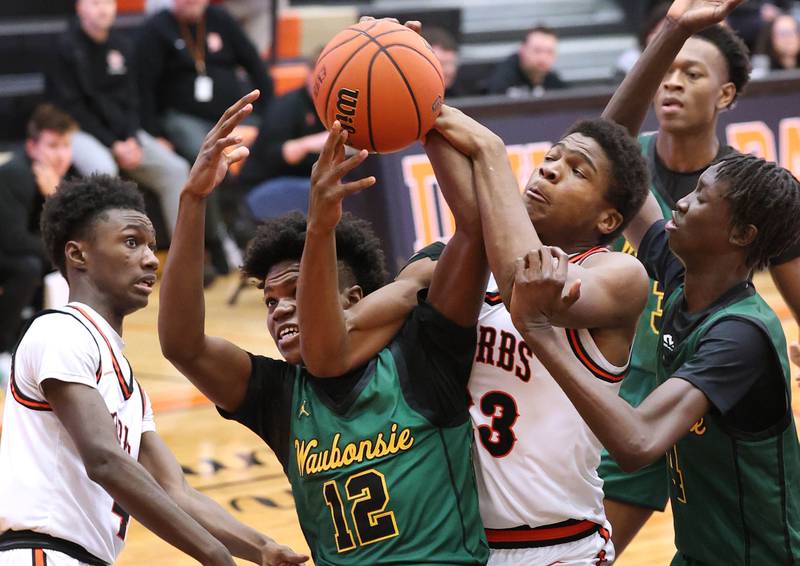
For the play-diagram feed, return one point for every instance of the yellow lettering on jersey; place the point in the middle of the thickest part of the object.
(655, 316)
(311, 461)
(676, 473)
(699, 428)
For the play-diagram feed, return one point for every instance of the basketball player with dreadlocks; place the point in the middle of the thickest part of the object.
(704, 80)
(722, 408)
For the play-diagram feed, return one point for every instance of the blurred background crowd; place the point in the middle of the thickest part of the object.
(131, 87)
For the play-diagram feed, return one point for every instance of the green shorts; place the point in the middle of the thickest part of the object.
(647, 487)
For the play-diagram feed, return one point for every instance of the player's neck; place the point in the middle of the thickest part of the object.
(98, 302)
(687, 152)
(707, 281)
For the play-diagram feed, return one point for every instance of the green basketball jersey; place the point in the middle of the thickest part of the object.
(645, 343)
(735, 496)
(377, 483)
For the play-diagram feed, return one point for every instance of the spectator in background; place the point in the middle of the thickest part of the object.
(749, 19)
(188, 77)
(782, 43)
(279, 166)
(92, 79)
(530, 70)
(26, 180)
(446, 50)
(651, 25)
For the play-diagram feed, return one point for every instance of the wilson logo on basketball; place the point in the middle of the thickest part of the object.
(346, 108)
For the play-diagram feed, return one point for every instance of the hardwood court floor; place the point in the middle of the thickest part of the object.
(235, 468)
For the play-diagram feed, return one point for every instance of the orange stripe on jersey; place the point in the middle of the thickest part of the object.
(39, 557)
(24, 400)
(550, 534)
(579, 258)
(582, 355)
(493, 298)
(126, 388)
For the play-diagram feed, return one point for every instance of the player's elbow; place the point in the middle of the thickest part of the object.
(103, 463)
(326, 366)
(633, 453)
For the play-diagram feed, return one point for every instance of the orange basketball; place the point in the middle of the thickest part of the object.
(382, 82)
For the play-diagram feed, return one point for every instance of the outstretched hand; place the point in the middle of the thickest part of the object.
(274, 554)
(540, 291)
(695, 15)
(327, 189)
(221, 148)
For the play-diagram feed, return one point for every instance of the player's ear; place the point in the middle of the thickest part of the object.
(352, 295)
(726, 96)
(743, 236)
(610, 219)
(75, 255)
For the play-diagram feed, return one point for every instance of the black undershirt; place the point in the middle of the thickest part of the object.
(735, 364)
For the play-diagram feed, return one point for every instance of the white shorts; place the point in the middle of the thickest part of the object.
(593, 550)
(37, 557)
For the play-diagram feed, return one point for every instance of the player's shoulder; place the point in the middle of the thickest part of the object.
(621, 270)
(57, 326)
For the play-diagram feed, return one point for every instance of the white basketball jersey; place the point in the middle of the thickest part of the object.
(43, 483)
(536, 458)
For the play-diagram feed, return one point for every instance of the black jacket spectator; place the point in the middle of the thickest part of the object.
(167, 71)
(20, 208)
(289, 117)
(508, 75)
(95, 84)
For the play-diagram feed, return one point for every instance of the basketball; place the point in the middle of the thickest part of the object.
(382, 82)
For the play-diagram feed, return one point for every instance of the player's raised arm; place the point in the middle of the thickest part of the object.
(217, 367)
(241, 540)
(634, 436)
(324, 340)
(85, 416)
(507, 230)
(459, 279)
(628, 107)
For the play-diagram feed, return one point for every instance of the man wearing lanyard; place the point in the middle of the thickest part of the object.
(188, 60)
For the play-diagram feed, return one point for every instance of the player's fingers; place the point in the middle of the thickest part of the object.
(341, 152)
(354, 187)
(329, 148)
(235, 108)
(365, 19)
(350, 163)
(545, 262)
(520, 274)
(414, 25)
(237, 154)
(562, 263)
(234, 120)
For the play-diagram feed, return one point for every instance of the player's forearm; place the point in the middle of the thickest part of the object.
(628, 107)
(617, 425)
(324, 340)
(134, 489)
(181, 311)
(507, 230)
(239, 539)
(453, 172)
